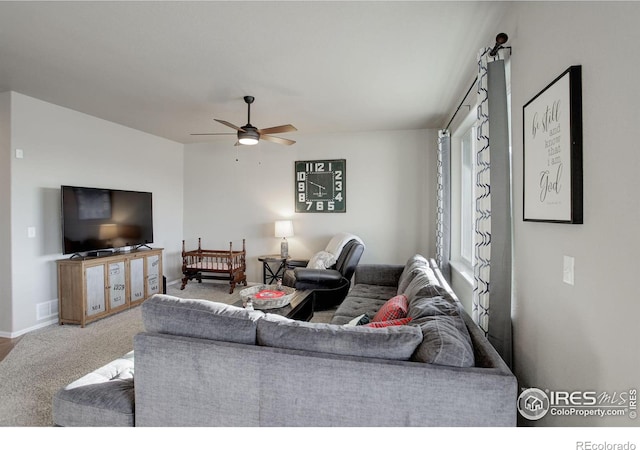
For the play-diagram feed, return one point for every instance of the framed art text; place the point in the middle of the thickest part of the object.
(552, 132)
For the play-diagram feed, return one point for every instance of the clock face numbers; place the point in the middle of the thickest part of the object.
(320, 186)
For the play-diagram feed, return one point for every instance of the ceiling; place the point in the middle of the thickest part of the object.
(170, 68)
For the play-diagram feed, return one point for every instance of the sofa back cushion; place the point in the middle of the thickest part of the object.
(410, 269)
(446, 339)
(423, 284)
(439, 302)
(200, 318)
(397, 343)
(446, 342)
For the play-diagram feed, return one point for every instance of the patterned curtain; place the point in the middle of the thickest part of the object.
(482, 191)
(443, 225)
(492, 215)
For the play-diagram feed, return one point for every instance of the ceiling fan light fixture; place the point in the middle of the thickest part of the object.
(248, 137)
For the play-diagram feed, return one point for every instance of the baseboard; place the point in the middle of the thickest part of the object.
(15, 334)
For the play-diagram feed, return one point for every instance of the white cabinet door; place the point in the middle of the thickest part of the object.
(117, 293)
(94, 277)
(153, 275)
(136, 277)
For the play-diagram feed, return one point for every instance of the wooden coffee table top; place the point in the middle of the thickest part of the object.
(300, 307)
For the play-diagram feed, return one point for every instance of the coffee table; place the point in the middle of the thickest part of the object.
(300, 307)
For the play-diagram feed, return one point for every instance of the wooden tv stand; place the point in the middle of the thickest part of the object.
(92, 288)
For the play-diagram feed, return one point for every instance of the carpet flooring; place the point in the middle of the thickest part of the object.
(48, 359)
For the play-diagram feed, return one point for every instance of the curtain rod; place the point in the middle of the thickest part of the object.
(463, 99)
(501, 39)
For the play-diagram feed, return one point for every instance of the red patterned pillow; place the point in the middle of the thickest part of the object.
(395, 308)
(389, 323)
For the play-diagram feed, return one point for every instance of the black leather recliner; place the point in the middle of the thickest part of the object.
(332, 285)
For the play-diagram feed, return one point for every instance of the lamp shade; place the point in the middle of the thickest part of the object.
(284, 228)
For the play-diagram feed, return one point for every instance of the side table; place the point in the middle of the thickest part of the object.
(273, 267)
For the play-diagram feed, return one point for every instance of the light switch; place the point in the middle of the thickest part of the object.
(31, 232)
(19, 153)
(568, 269)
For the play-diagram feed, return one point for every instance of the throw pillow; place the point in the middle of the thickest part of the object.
(360, 320)
(321, 260)
(389, 323)
(395, 308)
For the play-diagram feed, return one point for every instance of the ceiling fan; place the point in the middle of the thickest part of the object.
(249, 135)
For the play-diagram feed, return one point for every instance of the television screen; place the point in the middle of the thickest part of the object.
(97, 219)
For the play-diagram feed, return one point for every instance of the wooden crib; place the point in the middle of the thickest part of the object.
(214, 265)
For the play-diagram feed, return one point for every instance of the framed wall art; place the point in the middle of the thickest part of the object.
(552, 133)
(321, 186)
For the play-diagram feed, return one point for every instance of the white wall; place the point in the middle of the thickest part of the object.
(390, 195)
(63, 146)
(5, 205)
(581, 337)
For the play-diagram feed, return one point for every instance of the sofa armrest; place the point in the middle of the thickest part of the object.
(379, 274)
(293, 263)
(304, 275)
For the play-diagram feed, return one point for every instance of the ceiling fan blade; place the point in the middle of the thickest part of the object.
(224, 122)
(213, 134)
(278, 129)
(277, 140)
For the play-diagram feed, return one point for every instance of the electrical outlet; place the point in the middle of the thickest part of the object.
(568, 270)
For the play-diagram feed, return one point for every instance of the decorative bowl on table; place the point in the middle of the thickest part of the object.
(267, 297)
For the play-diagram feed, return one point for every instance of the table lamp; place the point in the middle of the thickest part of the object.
(284, 229)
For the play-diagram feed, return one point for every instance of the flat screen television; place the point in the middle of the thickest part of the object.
(96, 219)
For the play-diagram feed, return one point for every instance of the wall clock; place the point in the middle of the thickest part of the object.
(321, 186)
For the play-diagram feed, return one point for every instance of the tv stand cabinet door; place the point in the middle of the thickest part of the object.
(145, 275)
(136, 279)
(117, 286)
(154, 274)
(95, 292)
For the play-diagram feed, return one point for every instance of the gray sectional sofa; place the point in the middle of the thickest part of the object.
(200, 363)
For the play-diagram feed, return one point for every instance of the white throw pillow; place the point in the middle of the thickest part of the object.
(354, 322)
(321, 260)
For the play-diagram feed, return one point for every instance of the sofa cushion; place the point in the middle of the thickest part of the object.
(394, 308)
(397, 343)
(415, 262)
(200, 318)
(441, 304)
(423, 284)
(432, 306)
(388, 323)
(446, 342)
(363, 298)
(373, 291)
(102, 398)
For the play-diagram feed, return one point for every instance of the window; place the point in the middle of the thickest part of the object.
(463, 148)
(467, 152)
